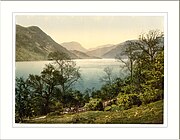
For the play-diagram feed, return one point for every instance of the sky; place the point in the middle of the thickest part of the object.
(92, 31)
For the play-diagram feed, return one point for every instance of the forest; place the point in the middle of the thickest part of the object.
(51, 93)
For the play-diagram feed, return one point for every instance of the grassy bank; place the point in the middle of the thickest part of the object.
(145, 114)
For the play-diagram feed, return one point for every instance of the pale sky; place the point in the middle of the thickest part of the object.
(93, 31)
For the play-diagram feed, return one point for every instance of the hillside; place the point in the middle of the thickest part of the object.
(101, 46)
(99, 52)
(73, 46)
(82, 55)
(34, 44)
(115, 51)
(118, 49)
(145, 114)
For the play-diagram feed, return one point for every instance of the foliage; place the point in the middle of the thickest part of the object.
(44, 93)
(126, 101)
(115, 108)
(107, 78)
(56, 106)
(68, 73)
(43, 88)
(107, 108)
(73, 99)
(151, 95)
(150, 43)
(23, 102)
(94, 104)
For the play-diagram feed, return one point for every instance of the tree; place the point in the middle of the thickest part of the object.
(152, 45)
(149, 67)
(68, 72)
(47, 90)
(150, 42)
(23, 106)
(130, 52)
(73, 99)
(107, 78)
(44, 87)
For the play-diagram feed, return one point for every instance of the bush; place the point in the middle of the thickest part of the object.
(56, 106)
(94, 104)
(107, 108)
(115, 108)
(112, 108)
(126, 101)
(128, 89)
(151, 95)
(56, 113)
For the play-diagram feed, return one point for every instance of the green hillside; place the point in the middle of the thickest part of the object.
(145, 114)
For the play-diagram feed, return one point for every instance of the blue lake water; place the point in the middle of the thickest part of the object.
(91, 71)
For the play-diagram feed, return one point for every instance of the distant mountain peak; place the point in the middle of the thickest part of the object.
(101, 46)
(73, 45)
(101, 50)
(34, 27)
(82, 55)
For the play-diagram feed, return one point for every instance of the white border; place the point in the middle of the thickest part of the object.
(164, 15)
(169, 132)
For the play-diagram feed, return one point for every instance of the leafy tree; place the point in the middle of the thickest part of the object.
(23, 106)
(130, 52)
(44, 86)
(68, 72)
(73, 99)
(151, 42)
(149, 67)
(153, 85)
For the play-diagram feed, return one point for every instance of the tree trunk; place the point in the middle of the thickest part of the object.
(131, 72)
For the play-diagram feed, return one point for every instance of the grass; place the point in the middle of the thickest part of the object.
(144, 114)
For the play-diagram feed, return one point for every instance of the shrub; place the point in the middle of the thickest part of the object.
(56, 106)
(94, 104)
(112, 108)
(128, 89)
(56, 113)
(107, 108)
(151, 95)
(115, 108)
(126, 101)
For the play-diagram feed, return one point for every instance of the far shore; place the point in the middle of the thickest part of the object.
(53, 60)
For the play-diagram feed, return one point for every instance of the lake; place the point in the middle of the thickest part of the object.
(91, 71)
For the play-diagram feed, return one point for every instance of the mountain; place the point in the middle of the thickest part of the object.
(101, 46)
(115, 51)
(34, 44)
(82, 55)
(73, 46)
(119, 48)
(99, 52)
